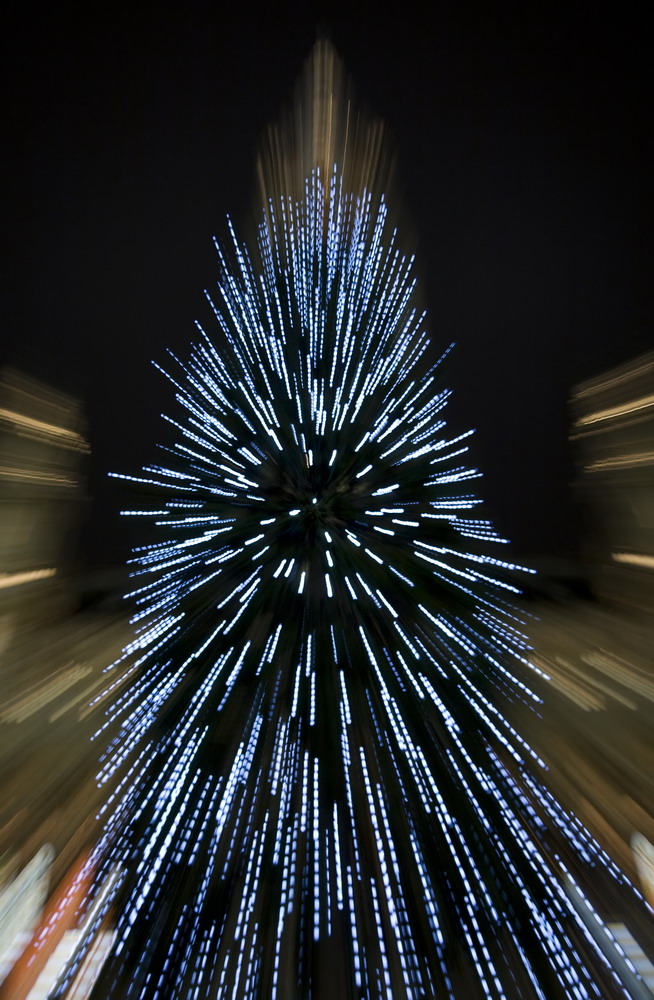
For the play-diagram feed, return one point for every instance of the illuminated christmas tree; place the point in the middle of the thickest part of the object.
(317, 791)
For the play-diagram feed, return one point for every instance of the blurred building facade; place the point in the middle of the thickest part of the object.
(42, 495)
(613, 437)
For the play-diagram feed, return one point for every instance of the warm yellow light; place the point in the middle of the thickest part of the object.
(629, 461)
(35, 476)
(618, 411)
(634, 559)
(15, 579)
(65, 437)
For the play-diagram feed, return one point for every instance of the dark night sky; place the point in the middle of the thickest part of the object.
(523, 143)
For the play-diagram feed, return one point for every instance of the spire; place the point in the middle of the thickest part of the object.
(323, 129)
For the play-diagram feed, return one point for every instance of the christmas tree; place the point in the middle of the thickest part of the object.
(315, 788)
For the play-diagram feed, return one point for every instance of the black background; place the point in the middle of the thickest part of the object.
(522, 136)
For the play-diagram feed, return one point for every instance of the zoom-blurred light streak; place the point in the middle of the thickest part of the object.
(315, 789)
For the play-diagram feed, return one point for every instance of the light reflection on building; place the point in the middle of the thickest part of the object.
(42, 445)
(613, 437)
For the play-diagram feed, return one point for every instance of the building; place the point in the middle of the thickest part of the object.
(41, 495)
(613, 436)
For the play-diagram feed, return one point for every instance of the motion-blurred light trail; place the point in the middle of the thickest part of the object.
(314, 790)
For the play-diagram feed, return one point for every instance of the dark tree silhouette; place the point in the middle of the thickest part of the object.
(317, 790)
